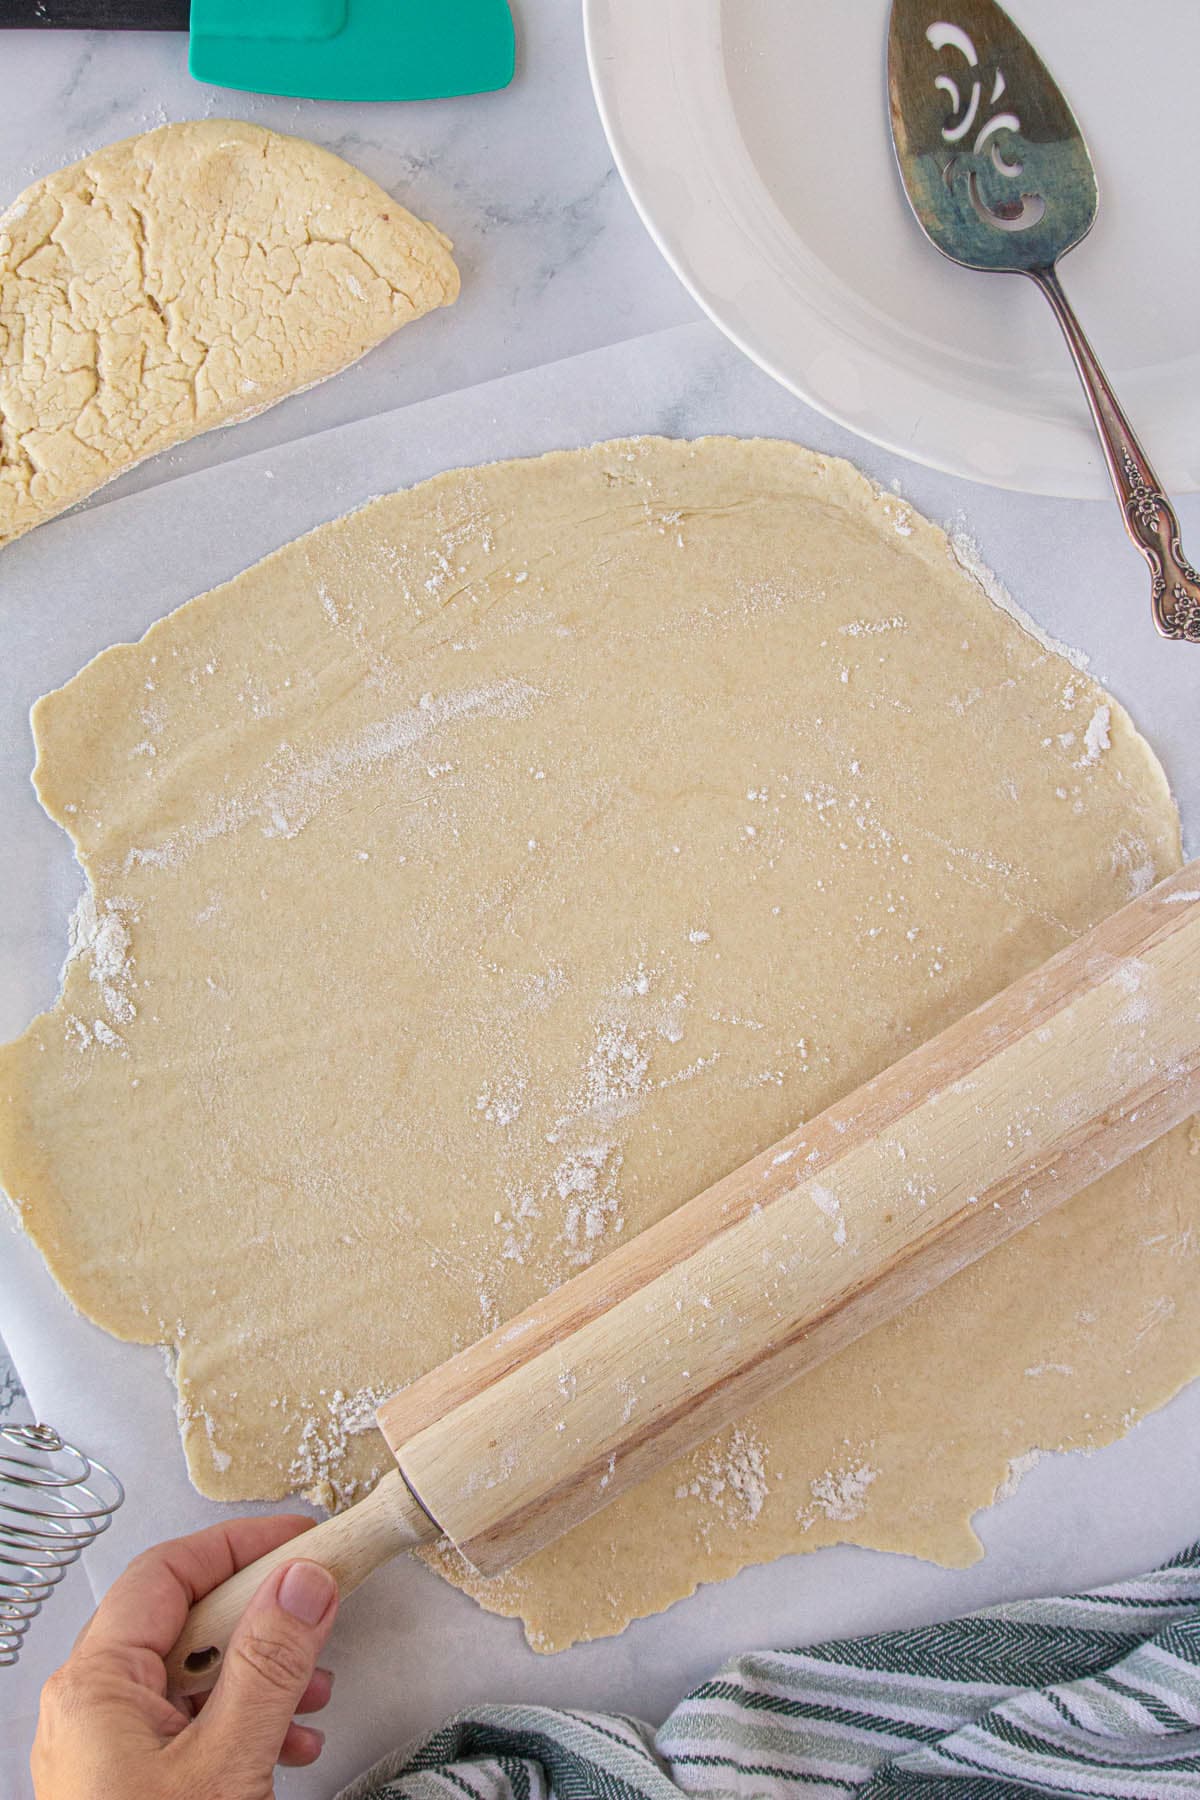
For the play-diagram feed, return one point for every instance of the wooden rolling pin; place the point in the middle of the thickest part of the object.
(781, 1264)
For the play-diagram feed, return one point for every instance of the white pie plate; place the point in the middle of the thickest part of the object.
(752, 135)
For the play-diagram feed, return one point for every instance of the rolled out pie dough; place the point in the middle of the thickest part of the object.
(480, 876)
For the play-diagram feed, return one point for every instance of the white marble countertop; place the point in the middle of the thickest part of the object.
(554, 263)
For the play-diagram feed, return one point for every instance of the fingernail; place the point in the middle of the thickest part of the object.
(307, 1592)
(312, 1741)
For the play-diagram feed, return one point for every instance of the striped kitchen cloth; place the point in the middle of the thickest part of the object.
(1097, 1694)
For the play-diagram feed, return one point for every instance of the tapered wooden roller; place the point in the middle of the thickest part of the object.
(785, 1261)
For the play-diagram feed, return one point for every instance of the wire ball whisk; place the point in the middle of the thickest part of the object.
(54, 1502)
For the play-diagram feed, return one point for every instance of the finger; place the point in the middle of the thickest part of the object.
(267, 1669)
(318, 1693)
(301, 1746)
(315, 1697)
(146, 1608)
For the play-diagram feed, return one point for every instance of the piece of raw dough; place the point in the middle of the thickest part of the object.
(483, 874)
(185, 279)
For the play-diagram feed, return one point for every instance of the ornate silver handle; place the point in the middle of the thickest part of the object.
(1149, 516)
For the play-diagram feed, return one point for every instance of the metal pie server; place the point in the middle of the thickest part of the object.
(998, 174)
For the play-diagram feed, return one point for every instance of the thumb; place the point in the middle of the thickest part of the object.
(268, 1665)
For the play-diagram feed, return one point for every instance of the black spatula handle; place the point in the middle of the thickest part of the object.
(95, 15)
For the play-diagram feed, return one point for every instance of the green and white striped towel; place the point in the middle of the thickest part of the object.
(1097, 1694)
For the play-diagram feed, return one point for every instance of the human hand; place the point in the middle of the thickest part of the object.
(106, 1727)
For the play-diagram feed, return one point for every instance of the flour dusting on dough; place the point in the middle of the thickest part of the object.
(309, 784)
(298, 788)
(840, 1494)
(329, 1424)
(731, 1477)
(102, 937)
(1096, 738)
(967, 553)
(1018, 1469)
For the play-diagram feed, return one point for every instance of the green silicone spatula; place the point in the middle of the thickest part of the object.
(316, 49)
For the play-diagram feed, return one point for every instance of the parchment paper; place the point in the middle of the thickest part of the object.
(411, 1651)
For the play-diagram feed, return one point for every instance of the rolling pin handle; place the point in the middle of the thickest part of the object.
(350, 1545)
